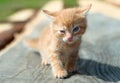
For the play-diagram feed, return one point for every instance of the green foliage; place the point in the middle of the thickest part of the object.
(8, 7)
(70, 3)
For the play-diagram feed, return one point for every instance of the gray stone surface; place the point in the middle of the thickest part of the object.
(99, 60)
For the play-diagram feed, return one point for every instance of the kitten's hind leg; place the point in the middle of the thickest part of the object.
(44, 59)
(44, 62)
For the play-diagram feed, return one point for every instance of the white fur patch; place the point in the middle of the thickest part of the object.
(65, 39)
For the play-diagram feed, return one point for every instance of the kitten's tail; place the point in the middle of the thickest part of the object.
(32, 43)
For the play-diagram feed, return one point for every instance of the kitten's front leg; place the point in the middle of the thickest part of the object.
(71, 63)
(57, 66)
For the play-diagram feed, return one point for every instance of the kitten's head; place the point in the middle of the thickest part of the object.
(70, 24)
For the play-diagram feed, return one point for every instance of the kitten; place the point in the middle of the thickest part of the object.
(59, 43)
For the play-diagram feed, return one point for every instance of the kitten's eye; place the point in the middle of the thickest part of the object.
(62, 31)
(76, 29)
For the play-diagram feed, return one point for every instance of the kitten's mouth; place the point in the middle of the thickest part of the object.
(69, 41)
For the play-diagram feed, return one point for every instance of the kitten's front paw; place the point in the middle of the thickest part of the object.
(60, 73)
(71, 68)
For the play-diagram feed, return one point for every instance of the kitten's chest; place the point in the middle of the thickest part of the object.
(67, 50)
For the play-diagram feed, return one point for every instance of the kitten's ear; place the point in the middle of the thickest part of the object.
(84, 10)
(50, 14)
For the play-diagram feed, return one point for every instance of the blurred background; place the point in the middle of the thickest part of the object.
(14, 14)
(9, 7)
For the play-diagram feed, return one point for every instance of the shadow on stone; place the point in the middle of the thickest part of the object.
(102, 71)
(105, 72)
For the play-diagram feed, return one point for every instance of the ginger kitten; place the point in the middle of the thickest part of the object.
(59, 43)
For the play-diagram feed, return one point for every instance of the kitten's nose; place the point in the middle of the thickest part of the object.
(70, 38)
